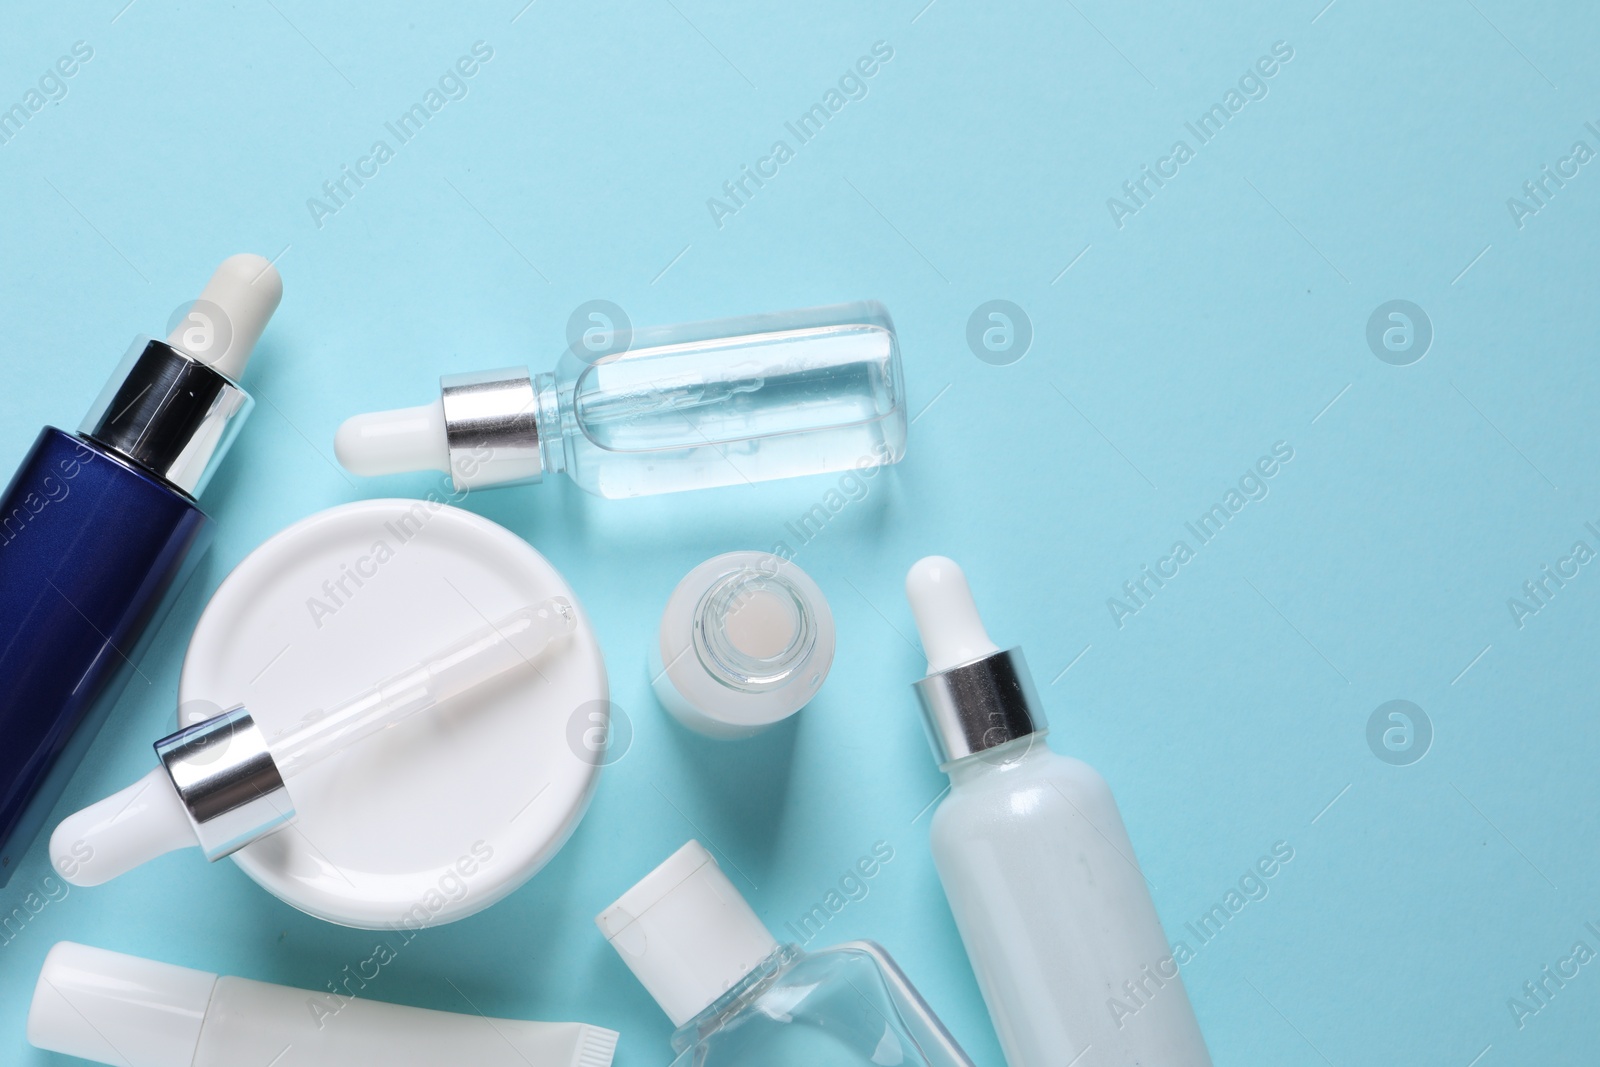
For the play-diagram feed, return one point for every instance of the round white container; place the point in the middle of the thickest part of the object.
(446, 813)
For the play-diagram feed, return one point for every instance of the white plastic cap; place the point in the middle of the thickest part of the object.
(128, 828)
(244, 292)
(686, 933)
(484, 429)
(394, 442)
(123, 1010)
(947, 616)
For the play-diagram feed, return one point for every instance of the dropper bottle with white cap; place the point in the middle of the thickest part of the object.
(1036, 863)
(633, 412)
(739, 998)
(99, 527)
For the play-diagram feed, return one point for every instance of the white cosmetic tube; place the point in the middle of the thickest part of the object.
(114, 1009)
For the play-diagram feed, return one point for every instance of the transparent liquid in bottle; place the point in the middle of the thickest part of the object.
(846, 1006)
(736, 401)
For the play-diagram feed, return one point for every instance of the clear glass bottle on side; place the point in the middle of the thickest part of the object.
(1036, 863)
(739, 998)
(663, 409)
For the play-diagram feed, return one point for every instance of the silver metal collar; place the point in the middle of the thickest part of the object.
(169, 414)
(980, 705)
(491, 423)
(228, 782)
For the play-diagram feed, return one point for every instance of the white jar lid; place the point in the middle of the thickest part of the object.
(446, 813)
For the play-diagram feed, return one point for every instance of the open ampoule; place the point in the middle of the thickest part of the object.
(223, 784)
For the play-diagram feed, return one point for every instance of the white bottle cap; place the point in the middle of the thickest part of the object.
(126, 829)
(947, 616)
(110, 1008)
(484, 429)
(243, 293)
(686, 933)
(975, 696)
(394, 442)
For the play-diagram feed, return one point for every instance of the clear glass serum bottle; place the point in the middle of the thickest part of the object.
(664, 409)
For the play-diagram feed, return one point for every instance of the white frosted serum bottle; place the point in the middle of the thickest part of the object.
(1040, 874)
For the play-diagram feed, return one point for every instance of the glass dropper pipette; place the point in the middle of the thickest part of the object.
(222, 784)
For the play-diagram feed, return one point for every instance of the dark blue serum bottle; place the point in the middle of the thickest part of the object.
(100, 527)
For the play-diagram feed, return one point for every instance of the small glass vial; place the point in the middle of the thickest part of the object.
(659, 410)
(740, 998)
(745, 642)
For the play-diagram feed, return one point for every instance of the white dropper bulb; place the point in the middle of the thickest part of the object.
(947, 616)
(148, 819)
(121, 832)
(244, 292)
(394, 442)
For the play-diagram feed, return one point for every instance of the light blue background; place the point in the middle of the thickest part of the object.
(1225, 316)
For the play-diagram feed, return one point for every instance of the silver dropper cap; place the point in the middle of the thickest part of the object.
(980, 705)
(171, 415)
(484, 430)
(491, 427)
(223, 771)
(975, 696)
(174, 407)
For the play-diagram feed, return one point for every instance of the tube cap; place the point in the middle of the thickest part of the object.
(975, 696)
(110, 1008)
(686, 933)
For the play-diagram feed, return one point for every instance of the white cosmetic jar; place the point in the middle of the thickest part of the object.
(446, 813)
